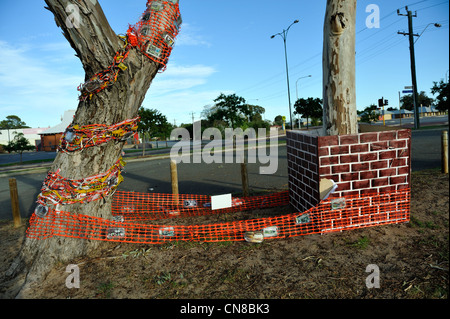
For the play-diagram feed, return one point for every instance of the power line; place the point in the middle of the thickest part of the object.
(434, 5)
(367, 53)
(269, 81)
(391, 13)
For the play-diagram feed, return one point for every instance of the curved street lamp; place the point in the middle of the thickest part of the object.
(296, 88)
(283, 34)
(437, 25)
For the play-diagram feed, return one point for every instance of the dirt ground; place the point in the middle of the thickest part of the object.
(412, 259)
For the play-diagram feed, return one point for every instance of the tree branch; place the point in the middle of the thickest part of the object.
(80, 22)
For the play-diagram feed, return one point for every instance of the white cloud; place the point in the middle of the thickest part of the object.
(34, 86)
(179, 105)
(38, 83)
(190, 35)
(192, 70)
(180, 90)
(178, 78)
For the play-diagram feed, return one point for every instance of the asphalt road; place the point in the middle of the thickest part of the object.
(424, 121)
(210, 179)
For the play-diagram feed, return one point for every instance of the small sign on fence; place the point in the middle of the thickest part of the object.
(221, 201)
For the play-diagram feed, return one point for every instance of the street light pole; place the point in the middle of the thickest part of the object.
(284, 36)
(296, 91)
(296, 88)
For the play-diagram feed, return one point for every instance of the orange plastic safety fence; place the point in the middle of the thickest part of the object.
(157, 29)
(142, 206)
(154, 35)
(345, 213)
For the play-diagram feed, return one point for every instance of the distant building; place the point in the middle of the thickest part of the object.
(387, 114)
(31, 134)
(50, 138)
(429, 111)
(396, 114)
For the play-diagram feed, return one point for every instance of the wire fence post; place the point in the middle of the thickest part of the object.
(244, 177)
(444, 151)
(14, 202)
(174, 178)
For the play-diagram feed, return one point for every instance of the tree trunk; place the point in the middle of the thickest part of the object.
(96, 45)
(339, 97)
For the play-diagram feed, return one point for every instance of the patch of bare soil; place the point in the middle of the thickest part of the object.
(412, 259)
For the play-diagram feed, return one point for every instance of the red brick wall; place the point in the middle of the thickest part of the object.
(303, 170)
(360, 164)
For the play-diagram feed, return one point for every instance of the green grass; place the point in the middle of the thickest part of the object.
(105, 289)
(361, 243)
(414, 222)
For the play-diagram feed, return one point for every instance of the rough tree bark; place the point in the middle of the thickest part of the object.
(339, 97)
(95, 44)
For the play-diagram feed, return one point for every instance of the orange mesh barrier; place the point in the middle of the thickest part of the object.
(154, 35)
(143, 206)
(157, 29)
(331, 215)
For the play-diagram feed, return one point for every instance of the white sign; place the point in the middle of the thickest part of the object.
(221, 201)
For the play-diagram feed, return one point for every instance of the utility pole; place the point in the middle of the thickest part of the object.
(413, 62)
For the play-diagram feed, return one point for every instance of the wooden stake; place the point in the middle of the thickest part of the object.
(14, 202)
(244, 176)
(444, 151)
(174, 177)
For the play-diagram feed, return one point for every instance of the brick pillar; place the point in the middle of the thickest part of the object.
(359, 164)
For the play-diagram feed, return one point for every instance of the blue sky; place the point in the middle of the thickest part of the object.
(223, 46)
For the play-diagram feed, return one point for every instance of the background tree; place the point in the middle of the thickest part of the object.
(230, 108)
(153, 124)
(12, 122)
(339, 96)
(255, 118)
(369, 114)
(208, 111)
(407, 101)
(309, 108)
(278, 120)
(441, 90)
(19, 144)
(254, 112)
(96, 45)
